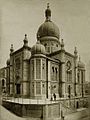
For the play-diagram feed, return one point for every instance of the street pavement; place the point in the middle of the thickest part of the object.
(7, 115)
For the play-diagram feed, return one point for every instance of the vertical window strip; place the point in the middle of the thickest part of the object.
(38, 69)
(38, 88)
(32, 69)
(33, 88)
(43, 88)
(43, 69)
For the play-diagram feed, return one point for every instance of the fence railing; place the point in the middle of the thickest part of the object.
(22, 100)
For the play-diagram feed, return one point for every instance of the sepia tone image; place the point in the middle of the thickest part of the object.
(45, 60)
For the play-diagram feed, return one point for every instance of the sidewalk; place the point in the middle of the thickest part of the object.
(81, 114)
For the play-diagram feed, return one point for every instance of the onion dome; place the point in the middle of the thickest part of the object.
(38, 48)
(48, 28)
(8, 62)
(81, 64)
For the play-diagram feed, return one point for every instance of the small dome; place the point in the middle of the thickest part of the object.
(81, 64)
(38, 48)
(48, 28)
(8, 62)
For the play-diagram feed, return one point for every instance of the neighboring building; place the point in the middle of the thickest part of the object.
(46, 69)
(3, 80)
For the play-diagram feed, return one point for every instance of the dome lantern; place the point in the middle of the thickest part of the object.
(48, 13)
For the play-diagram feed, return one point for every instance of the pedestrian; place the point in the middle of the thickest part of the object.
(54, 95)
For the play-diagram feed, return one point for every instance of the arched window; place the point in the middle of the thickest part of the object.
(43, 69)
(78, 76)
(69, 91)
(53, 69)
(3, 82)
(17, 63)
(38, 68)
(52, 73)
(69, 71)
(56, 74)
(32, 69)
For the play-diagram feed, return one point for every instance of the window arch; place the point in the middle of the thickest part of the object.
(3, 82)
(69, 71)
(69, 91)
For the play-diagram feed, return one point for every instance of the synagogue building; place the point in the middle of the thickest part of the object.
(46, 70)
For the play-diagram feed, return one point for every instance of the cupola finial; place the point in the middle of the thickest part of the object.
(48, 13)
(62, 44)
(25, 40)
(11, 49)
(75, 51)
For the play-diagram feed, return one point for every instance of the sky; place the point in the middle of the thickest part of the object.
(20, 17)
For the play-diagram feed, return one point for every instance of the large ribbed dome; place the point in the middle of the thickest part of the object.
(38, 48)
(48, 28)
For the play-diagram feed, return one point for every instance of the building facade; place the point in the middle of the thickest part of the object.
(46, 69)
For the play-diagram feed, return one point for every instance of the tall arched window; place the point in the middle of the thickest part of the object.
(78, 76)
(32, 69)
(69, 91)
(3, 82)
(69, 71)
(52, 73)
(38, 68)
(56, 74)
